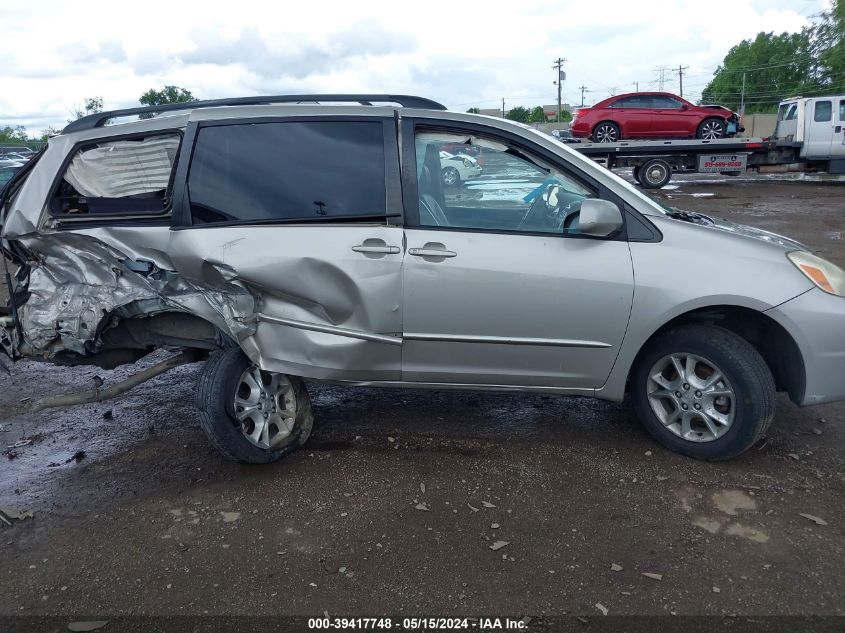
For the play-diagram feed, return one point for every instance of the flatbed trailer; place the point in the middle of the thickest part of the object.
(654, 162)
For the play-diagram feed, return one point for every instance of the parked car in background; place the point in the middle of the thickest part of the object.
(457, 168)
(652, 115)
(467, 149)
(7, 170)
(565, 136)
(19, 150)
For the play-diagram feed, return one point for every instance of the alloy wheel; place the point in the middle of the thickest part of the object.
(265, 405)
(691, 397)
(605, 134)
(712, 130)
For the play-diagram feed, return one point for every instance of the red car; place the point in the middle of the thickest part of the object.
(652, 115)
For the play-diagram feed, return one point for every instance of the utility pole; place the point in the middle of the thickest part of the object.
(558, 65)
(583, 89)
(662, 79)
(636, 86)
(681, 70)
(742, 97)
(503, 107)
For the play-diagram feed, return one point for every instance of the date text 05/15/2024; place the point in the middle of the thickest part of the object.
(418, 624)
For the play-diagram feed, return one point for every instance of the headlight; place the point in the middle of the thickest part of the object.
(829, 277)
(467, 162)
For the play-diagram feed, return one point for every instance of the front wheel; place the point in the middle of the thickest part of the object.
(251, 415)
(703, 391)
(451, 176)
(711, 129)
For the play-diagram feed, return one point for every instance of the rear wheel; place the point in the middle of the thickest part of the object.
(703, 391)
(711, 129)
(606, 132)
(655, 174)
(636, 173)
(251, 415)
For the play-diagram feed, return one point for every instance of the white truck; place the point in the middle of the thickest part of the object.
(809, 137)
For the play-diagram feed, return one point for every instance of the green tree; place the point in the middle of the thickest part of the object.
(13, 135)
(828, 46)
(48, 132)
(168, 94)
(473, 111)
(90, 105)
(774, 66)
(537, 115)
(519, 113)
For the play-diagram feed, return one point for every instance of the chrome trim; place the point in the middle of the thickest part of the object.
(331, 329)
(505, 340)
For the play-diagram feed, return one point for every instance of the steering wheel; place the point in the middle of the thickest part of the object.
(555, 210)
(543, 212)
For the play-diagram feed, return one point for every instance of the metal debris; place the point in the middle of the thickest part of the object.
(814, 519)
(499, 545)
(474, 509)
(423, 507)
(653, 576)
(494, 526)
(422, 488)
(487, 504)
(615, 567)
(601, 608)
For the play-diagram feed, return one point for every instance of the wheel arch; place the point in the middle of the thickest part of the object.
(775, 344)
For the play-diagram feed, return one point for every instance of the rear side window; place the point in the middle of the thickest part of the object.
(823, 111)
(665, 103)
(120, 177)
(296, 170)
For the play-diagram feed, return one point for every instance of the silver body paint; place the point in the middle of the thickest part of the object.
(509, 311)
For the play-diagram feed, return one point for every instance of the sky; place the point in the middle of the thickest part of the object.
(461, 53)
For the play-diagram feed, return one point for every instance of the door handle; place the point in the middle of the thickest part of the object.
(384, 250)
(431, 252)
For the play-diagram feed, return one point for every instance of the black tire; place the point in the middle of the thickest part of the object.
(636, 174)
(606, 132)
(215, 400)
(655, 174)
(451, 176)
(711, 126)
(742, 366)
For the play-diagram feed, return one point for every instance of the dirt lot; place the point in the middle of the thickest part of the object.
(394, 504)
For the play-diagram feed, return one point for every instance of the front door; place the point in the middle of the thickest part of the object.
(297, 212)
(499, 287)
(819, 129)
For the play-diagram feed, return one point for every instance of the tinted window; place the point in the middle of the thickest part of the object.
(793, 113)
(665, 103)
(823, 111)
(291, 170)
(633, 102)
(842, 110)
(498, 188)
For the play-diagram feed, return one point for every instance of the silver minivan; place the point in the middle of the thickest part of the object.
(288, 240)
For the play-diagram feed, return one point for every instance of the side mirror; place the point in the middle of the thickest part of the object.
(684, 106)
(599, 218)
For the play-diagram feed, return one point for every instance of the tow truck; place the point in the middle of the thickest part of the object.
(808, 137)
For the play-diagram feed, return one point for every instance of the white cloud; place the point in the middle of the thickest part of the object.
(460, 53)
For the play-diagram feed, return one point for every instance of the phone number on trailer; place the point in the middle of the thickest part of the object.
(416, 624)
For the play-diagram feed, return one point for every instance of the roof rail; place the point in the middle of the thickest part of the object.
(99, 119)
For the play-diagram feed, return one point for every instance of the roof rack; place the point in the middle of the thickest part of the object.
(99, 119)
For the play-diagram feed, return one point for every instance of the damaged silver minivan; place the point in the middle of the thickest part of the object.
(288, 239)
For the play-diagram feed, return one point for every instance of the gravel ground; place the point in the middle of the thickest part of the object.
(395, 503)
